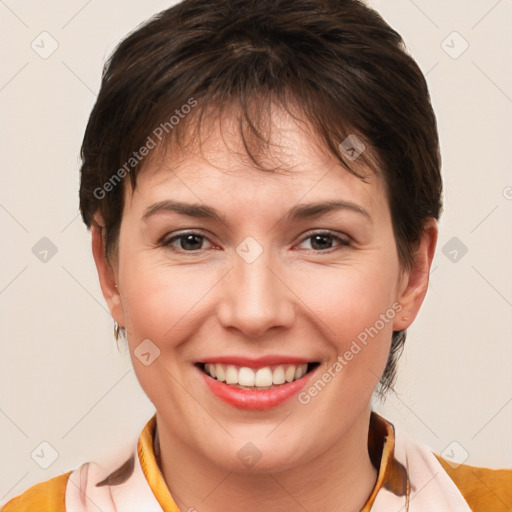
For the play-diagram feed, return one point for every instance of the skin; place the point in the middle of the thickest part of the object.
(292, 300)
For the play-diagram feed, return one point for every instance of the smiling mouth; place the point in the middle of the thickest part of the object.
(260, 379)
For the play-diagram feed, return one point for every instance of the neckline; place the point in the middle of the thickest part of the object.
(391, 474)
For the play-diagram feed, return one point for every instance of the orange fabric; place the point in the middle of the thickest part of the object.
(485, 490)
(46, 496)
(151, 470)
(381, 442)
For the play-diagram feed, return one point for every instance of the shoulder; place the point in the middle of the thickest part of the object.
(48, 496)
(485, 490)
(434, 479)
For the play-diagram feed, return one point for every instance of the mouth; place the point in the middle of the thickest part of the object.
(263, 378)
(254, 386)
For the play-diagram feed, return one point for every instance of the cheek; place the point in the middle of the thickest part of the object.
(356, 313)
(161, 303)
(350, 300)
(355, 307)
(160, 300)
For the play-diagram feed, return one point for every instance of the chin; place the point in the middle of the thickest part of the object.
(253, 453)
(251, 460)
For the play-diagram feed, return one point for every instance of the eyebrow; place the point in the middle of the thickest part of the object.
(312, 210)
(299, 212)
(189, 209)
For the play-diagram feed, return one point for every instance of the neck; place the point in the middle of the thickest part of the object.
(340, 479)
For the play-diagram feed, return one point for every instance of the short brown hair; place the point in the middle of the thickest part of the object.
(335, 61)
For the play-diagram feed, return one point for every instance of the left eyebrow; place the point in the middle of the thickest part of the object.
(299, 212)
(195, 210)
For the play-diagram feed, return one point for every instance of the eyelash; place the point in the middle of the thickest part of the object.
(167, 243)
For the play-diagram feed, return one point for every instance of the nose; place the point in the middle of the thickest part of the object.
(255, 297)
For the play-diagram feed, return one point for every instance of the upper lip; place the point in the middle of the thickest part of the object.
(258, 362)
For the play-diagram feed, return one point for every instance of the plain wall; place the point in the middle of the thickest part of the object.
(62, 378)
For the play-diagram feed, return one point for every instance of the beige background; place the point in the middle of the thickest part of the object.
(63, 380)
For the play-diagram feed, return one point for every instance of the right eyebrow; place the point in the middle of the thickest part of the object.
(312, 210)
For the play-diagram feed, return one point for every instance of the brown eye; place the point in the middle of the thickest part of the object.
(320, 242)
(324, 241)
(186, 242)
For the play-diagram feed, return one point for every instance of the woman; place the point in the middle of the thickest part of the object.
(262, 183)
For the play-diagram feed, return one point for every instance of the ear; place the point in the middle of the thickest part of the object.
(106, 273)
(414, 283)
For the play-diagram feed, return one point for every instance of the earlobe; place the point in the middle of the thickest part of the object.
(414, 283)
(106, 274)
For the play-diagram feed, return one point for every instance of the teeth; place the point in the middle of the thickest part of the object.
(231, 375)
(261, 378)
(300, 371)
(278, 376)
(289, 374)
(245, 377)
(219, 372)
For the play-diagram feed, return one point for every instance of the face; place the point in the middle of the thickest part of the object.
(230, 296)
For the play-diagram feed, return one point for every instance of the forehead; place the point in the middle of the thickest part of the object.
(220, 169)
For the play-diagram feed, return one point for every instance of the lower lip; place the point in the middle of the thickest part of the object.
(254, 399)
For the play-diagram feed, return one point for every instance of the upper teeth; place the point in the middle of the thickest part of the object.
(262, 377)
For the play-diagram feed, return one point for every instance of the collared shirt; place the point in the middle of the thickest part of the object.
(410, 478)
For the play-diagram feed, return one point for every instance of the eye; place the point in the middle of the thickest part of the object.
(186, 242)
(192, 242)
(324, 240)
